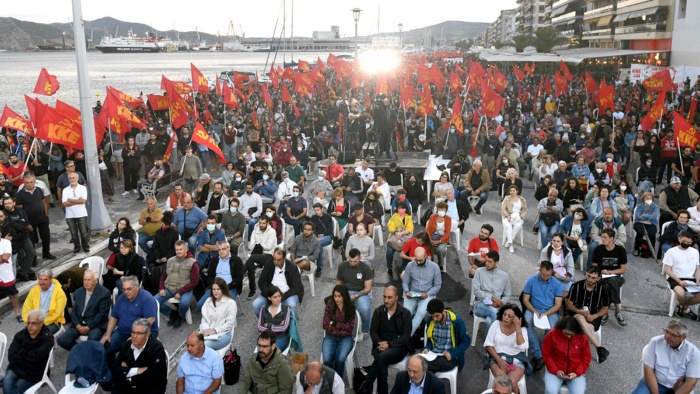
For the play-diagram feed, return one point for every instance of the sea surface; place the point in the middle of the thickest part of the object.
(132, 73)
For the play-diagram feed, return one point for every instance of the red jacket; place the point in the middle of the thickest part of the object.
(567, 355)
(432, 227)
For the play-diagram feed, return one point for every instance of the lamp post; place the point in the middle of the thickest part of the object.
(356, 17)
(98, 218)
(400, 36)
(64, 40)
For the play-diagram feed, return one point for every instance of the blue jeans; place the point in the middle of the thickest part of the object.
(260, 302)
(418, 308)
(487, 312)
(389, 257)
(335, 351)
(552, 384)
(362, 306)
(218, 344)
(251, 227)
(12, 384)
(115, 344)
(642, 388)
(207, 294)
(535, 347)
(282, 343)
(143, 243)
(324, 241)
(202, 259)
(184, 305)
(591, 248)
(546, 233)
(192, 243)
(229, 152)
(483, 196)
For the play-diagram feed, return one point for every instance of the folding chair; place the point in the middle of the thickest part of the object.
(450, 375)
(95, 263)
(149, 190)
(44, 379)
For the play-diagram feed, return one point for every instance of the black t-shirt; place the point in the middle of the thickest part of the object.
(610, 259)
(595, 300)
(393, 178)
(354, 277)
(32, 204)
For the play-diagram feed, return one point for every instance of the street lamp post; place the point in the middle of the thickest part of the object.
(400, 36)
(356, 17)
(98, 218)
(64, 40)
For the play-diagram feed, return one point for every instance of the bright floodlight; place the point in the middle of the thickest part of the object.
(379, 61)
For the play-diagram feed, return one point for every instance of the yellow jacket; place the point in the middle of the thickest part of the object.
(56, 308)
(395, 222)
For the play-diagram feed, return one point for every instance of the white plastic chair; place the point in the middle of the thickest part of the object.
(477, 320)
(454, 229)
(69, 387)
(663, 230)
(520, 234)
(222, 351)
(3, 346)
(310, 274)
(450, 375)
(350, 360)
(401, 366)
(95, 263)
(522, 384)
(379, 231)
(473, 201)
(328, 250)
(44, 379)
(174, 301)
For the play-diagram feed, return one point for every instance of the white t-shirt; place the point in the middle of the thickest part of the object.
(75, 211)
(534, 150)
(279, 280)
(6, 273)
(683, 262)
(366, 175)
(505, 343)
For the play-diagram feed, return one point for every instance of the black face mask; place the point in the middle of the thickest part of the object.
(685, 245)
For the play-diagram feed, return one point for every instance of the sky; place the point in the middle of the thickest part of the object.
(257, 18)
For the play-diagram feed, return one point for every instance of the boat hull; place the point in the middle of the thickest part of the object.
(126, 49)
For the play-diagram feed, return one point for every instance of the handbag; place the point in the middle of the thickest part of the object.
(397, 242)
(359, 375)
(232, 367)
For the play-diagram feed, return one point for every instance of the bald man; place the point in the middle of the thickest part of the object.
(421, 282)
(417, 376)
(200, 370)
(319, 379)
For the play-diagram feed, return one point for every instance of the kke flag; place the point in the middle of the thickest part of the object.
(565, 71)
(493, 103)
(47, 84)
(179, 109)
(12, 120)
(303, 65)
(519, 74)
(180, 87)
(60, 129)
(685, 134)
(230, 99)
(199, 83)
(659, 82)
(158, 102)
(455, 82)
(591, 84)
(560, 84)
(655, 113)
(168, 151)
(457, 116)
(201, 136)
(606, 98)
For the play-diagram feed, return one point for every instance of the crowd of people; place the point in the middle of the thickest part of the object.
(598, 176)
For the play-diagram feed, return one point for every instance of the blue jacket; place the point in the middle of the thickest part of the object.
(460, 336)
(644, 214)
(267, 191)
(87, 360)
(568, 222)
(208, 239)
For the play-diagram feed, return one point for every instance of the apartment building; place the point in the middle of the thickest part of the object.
(685, 47)
(529, 16)
(566, 16)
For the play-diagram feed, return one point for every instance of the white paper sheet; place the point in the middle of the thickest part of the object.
(542, 322)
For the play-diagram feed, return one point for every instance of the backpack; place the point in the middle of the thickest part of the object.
(426, 216)
(644, 250)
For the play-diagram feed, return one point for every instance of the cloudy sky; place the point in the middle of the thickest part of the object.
(257, 18)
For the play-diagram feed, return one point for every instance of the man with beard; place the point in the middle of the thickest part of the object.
(31, 200)
(153, 149)
(6, 188)
(17, 225)
(16, 170)
(268, 358)
(483, 244)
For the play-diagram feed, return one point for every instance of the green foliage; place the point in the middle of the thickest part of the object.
(521, 41)
(547, 38)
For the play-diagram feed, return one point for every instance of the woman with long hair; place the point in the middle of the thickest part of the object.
(575, 229)
(567, 356)
(126, 263)
(506, 344)
(513, 212)
(625, 202)
(603, 200)
(362, 242)
(218, 316)
(276, 317)
(572, 194)
(121, 232)
(275, 221)
(562, 259)
(401, 225)
(373, 207)
(339, 208)
(338, 323)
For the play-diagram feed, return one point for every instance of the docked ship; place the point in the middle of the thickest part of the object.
(130, 44)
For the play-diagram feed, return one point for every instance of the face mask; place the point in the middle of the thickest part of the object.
(505, 162)
(556, 248)
(401, 211)
(578, 217)
(295, 194)
(648, 202)
(233, 209)
(648, 164)
(238, 179)
(211, 227)
(320, 178)
(441, 214)
(402, 198)
(609, 159)
(623, 188)
(268, 214)
(452, 131)
(598, 170)
(284, 150)
(265, 177)
(686, 245)
(412, 182)
(163, 228)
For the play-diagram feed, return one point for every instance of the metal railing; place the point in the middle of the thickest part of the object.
(642, 28)
(565, 17)
(599, 10)
(599, 32)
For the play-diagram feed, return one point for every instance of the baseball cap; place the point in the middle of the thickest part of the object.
(675, 179)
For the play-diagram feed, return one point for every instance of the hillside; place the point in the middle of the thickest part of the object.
(17, 35)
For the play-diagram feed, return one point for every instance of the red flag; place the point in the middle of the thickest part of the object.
(660, 82)
(426, 106)
(332, 61)
(684, 132)
(655, 113)
(437, 76)
(476, 69)
(286, 97)
(60, 129)
(628, 107)
(47, 84)
(499, 80)
(168, 151)
(199, 83)
(274, 77)
(591, 84)
(179, 109)
(456, 119)
(408, 98)
(12, 120)
(547, 85)
(532, 68)
(565, 71)
(560, 84)
(266, 96)
(693, 108)
(158, 102)
(256, 124)
(493, 103)
(606, 98)
(320, 65)
(118, 109)
(239, 80)
(127, 99)
(526, 68)
(31, 108)
(180, 87)
(382, 85)
(475, 119)
(518, 74)
(455, 82)
(303, 65)
(539, 90)
(229, 98)
(200, 136)
(218, 87)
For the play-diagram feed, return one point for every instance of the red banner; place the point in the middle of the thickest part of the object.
(660, 82)
(606, 98)
(684, 133)
(230, 99)
(518, 74)
(168, 150)
(591, 84)
(565, 71)
(199, 83)
(456, 119)
(655, 113)
(12, 120)
(560, 84)
(179, 109)
(158, 102)
(200, 136)
(455, 82)
(180, 87)
(47, 84)
(493, 103)
(303, 65)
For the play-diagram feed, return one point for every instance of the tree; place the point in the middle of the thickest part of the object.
(547, 38)
(521, 41)
(498, 44)
(464, 45)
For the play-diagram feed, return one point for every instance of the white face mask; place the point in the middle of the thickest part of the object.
(268, 214)
(578, 217)
(320, 179)
(211, 227)
(505, 162)
(295, 194)
(556, 247)
(238, 179)
(598, 170)
(609, 159)
(441, 214)
(265, 177)
(648, 202)
(623, 188)
(233, 209)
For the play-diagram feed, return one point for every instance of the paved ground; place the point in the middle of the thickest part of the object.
(644, 295)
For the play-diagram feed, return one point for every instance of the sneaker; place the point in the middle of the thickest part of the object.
(362, 336)
(510, 249)
(620, 319)
(537, 364)
(635, 252)
(507, 244)
(471, 312)
(690, 315)
(317, 274)
(126, 193)
(679, 311)
(251, 294)
(535, 230)
(604, 321)
(602, 354)
(19, 319)
(134, 191)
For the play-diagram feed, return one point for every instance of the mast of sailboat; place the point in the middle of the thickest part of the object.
(292, 33)
(284, 30)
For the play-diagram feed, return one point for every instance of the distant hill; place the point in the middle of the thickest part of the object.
(17, 35)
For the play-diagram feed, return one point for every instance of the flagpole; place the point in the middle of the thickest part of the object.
(98, 217)
(680, 156)
(29, 153)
